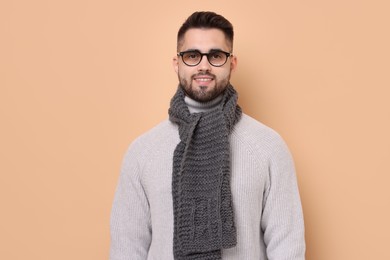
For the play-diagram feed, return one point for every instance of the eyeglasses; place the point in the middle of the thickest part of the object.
(216, 58)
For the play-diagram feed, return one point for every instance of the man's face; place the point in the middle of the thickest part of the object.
(204, 82)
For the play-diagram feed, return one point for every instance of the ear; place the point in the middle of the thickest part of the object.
(175, 64)
(233, 63)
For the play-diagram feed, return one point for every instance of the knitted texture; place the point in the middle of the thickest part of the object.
(202, 201)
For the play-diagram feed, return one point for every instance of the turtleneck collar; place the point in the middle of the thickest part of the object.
(197, 107)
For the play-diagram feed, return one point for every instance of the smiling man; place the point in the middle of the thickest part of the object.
(204, 79)
(211, 182)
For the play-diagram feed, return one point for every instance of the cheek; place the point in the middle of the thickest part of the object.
(185, 72)
(223, 74)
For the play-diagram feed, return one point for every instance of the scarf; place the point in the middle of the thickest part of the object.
(202, 200)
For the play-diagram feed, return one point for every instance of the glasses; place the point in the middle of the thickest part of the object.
(216, 58)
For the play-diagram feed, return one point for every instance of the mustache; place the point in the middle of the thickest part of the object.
(203, 74)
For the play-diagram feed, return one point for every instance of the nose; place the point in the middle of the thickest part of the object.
(204, 64)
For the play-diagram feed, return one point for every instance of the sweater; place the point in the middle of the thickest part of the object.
(266, 202)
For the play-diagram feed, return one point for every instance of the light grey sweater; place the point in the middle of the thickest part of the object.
(266, 202)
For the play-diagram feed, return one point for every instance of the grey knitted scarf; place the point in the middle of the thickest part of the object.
(202, 200)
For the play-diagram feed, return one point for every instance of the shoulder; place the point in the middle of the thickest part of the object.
(257, 137)
(161, 135)
(164, 129)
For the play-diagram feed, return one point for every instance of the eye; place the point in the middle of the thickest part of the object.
(217, 55)
(192, 55)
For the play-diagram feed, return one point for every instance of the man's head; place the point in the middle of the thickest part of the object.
(206, 20)
(204, 60)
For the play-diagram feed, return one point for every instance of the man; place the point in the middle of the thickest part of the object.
(210, 182)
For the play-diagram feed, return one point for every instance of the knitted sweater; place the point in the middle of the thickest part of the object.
(267, 208)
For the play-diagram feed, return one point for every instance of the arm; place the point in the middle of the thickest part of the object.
(282, 220)
(130, 216)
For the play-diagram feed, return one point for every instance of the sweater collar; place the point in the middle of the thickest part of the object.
(197, 107)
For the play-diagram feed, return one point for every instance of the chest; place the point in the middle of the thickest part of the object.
(249, 175)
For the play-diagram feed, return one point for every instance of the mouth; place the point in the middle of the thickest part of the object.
(203, 78)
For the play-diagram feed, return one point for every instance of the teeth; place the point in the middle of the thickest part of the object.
(203, 79)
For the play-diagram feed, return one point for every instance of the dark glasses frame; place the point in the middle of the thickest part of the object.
(208, 55)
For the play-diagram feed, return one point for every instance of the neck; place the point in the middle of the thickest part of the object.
(197, 107)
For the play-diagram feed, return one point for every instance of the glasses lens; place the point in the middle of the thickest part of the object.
(217, 58)
(191, 58)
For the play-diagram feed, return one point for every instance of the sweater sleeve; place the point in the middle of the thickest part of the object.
(130, 216)
(282, 220)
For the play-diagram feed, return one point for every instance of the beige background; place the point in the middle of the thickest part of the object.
(79, 80)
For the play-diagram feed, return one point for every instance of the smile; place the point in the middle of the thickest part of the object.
(203, 79)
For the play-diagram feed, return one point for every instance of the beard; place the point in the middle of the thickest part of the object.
(204, 93)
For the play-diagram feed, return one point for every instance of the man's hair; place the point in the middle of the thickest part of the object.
(206, 20)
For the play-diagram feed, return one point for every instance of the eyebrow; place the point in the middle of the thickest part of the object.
(211, 50)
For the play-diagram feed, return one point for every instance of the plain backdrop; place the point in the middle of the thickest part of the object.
(80, 80)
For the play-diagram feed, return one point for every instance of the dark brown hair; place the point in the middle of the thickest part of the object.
(206, 20)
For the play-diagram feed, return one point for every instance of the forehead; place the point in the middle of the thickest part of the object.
(204, 40)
